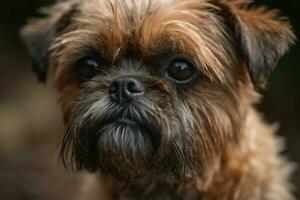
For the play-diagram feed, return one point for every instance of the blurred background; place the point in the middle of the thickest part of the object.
(30, 121)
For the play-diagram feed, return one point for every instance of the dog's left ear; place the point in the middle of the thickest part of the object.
(39, 34)
(263, 36)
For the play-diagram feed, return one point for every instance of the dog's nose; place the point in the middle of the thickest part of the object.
(125, 89)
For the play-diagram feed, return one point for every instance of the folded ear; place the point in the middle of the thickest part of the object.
(38, 35)
(264, 38)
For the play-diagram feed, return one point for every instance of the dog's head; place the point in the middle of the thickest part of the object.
(154, 87)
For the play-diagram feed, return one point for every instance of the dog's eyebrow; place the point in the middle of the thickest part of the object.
(117, 55)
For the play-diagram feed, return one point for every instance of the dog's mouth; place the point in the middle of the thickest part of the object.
(114, 140)
(124, 142)
(143, 124)
(120, 140)
(126, 121)
(131, 125)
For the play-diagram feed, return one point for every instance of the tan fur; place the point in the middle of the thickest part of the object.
(228, 152)
(251, 171)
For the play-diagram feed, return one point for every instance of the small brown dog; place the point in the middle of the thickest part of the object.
(158, 96)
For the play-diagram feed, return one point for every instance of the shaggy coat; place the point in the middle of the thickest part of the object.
(198, 140)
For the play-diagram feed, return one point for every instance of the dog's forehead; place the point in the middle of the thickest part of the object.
(131, 16)
(157, 27)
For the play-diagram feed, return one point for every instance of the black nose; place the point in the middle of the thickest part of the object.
(125, 89)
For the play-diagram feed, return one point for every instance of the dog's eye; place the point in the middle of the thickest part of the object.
(180, 70)
(88, 67)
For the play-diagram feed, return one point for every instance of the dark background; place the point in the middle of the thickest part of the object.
(30, 122)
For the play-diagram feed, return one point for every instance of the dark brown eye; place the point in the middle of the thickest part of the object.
(88, 67)
(180, 70)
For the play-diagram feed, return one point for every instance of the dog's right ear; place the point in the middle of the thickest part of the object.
(38, 35)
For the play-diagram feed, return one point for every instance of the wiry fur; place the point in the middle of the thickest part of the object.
(202, 140)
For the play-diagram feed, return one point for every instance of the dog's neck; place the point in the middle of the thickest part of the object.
(158, 190)
(164, 188)
(166, 192)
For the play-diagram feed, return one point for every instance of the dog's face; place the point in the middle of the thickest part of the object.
(154, 87)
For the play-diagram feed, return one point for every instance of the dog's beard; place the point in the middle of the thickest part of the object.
(125, 147)
(112, 137)
(131, 141)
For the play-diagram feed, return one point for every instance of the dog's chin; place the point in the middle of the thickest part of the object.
(125, 146)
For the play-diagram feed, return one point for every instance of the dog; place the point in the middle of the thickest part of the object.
(158, 96)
